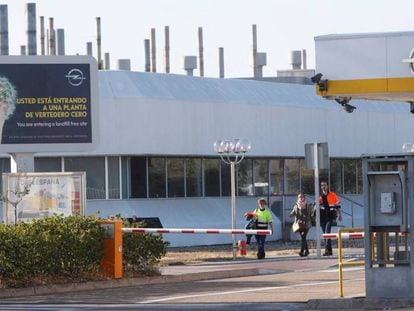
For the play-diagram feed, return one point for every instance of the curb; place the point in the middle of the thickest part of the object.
(360, 303)
(76, 287)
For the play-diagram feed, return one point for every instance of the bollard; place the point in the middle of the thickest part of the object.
(111, 264)
(242, 248)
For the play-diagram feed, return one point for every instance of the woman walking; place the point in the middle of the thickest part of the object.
(302, 211)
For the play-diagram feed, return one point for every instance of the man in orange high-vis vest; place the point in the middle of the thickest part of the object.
(330, 209)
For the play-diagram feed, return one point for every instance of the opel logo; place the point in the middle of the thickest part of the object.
(75, 77)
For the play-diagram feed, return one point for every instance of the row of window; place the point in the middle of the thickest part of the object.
(167, 177)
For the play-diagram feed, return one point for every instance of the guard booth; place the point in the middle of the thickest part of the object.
(388, 190)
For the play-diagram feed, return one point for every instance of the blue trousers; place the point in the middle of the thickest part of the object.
(261, 239)
(326, 225)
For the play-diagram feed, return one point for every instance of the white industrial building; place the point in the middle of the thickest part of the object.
(155, 154)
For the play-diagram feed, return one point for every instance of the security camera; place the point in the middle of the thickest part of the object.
(344, 102)
(411, 107)
(349, 108)
(316, 78)
(322, 83)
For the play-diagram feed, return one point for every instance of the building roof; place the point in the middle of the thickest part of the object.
(165, 87)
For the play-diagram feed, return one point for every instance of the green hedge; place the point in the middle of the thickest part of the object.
(53, 246)
(67, 248)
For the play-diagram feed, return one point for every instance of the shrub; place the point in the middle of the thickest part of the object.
(142, 251)
(49, 247)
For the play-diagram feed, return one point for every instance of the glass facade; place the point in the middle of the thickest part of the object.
(143, 177)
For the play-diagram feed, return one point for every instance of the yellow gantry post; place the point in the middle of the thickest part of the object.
(340, 263)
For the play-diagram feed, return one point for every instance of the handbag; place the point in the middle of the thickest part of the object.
(295, 226)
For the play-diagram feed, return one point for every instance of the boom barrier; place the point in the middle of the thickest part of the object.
(355, 235)
(196, 231)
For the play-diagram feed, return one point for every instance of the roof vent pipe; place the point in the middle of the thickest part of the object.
(60, 41)
(124, 64)
(42, 35)
(31, 28)
(201, 50)
(99, 42)
(23, 50)
(107, 61)
(147, 55)
(89, 51)
(52, 41)
(221, 62)
(4, 30)
(295, 59)
(153, 51)
(304, 60)
(189, 64)
(254, 56)
(167, 49)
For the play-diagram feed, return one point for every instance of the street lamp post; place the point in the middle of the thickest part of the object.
(232, 151)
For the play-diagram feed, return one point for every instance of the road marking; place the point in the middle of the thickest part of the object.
(343, 269)
(243, 291)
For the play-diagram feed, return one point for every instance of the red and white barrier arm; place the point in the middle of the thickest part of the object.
(351, 235)
(355, 235)
(202, 231)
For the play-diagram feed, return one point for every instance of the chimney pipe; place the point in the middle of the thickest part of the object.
(4, 30)
(52, 41)
(167, 49)
(221, 62)
(89, 51)
(304, 60)
(99, 42)
(42, 35)
(107, 61)
(60, 41)
(254, 29)
(153, 51)
(31, 28)
(124, 64)
(190, 63)
(147, 55)
(200, 50)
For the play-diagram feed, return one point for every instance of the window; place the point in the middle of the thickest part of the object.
(95, 174)
(350, 178)
(47, 165)
(261, 177)
(276, 176)
(138, 177)
(113, 178)
(175, 177)
(336, 176)
(307, 177)
(212, 177)
(245, 178)
(293, 176)
(156, 177)
(194, 180)
(225, 179)
(4, 168)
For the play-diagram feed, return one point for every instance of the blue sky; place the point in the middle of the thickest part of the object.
(282, 25)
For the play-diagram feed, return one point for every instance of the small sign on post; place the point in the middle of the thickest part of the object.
(323, 156)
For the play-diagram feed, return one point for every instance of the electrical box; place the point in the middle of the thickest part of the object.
(387, 203)
(387, 200)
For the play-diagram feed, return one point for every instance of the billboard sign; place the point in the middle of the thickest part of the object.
(28, 196)
(48, 103)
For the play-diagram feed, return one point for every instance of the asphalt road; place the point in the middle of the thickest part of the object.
(281, 284)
